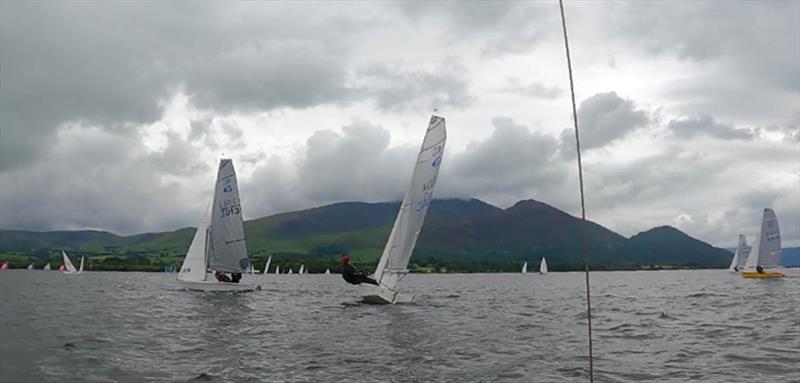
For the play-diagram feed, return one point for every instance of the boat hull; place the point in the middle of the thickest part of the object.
(382, 296)
(216, 286)
(757, 275)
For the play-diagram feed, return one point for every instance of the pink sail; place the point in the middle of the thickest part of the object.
(4, 266)
(61, 268)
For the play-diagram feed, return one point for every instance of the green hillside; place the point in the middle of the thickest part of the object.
(456, 232)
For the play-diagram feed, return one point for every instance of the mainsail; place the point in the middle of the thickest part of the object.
(766, 251)
(543, 267)
(525, 268)
(80, 268)
(740, 256)
(266, 266)
(69, 267)
(218, 243)
(227, 251)
(397, 253)
(46, 267)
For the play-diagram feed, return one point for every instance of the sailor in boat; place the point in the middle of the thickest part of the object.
(236, 277)
(351, 274)
(759, 269)
(222, 277)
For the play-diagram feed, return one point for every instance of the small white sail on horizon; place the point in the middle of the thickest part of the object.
(393, 264)
(80, 269)
(219, 242)
(290, 271)
(30, 267)
(69, 268)
(740, 255)
(277, 269)
(327, 271)
(266, 266)
(46, 267)
(543, 266)
(525, 268)
(766, 251)
(302, 269)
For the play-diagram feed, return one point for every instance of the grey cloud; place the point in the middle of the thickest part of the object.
(511, 164)
(603, 118)
(90, 178)
(533, 90)
(395, 88)
(112, 64)
(688, 127)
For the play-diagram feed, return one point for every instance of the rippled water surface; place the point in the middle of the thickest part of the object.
(649, 326)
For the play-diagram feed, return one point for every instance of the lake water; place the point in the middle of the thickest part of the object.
(670, 326)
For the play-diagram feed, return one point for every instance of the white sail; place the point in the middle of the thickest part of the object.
(543, 267)
(266, 266)
(80, 268)
(766, 251)
(227, 250)
(327, 271)
(30, 267)
(277, 269)
(525, 268)
(403, 238)
(740, 255)
(290, 271)
(302, 269)
(69, 267)
(46, 267)
(194, 264)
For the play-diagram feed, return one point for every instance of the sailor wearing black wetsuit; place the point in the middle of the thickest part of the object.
(351, 274)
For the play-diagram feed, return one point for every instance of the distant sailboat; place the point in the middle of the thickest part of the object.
(80, 269)
(46, 267)
(4, 266)
(266, 266)
(393, 264)
(302, 269)
(327, 271)
(766, 251)
(525, 268)
(543, 267)
(740, 256)
(277, 269)
(290, 271)
(30, 267)
(61, 268)
(69, 268)
(219, 242)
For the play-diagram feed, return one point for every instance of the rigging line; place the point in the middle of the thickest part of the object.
(583, 203)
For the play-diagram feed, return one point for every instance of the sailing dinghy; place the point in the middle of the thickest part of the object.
(30, 267)
(219, 243)
(740, 256)
(543, 267)
(766, 251)
(266, 266)
(393, 264)
(46, 267)
(69, 268)
(525, 268)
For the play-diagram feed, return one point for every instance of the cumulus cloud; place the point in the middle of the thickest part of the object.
(395, 87)
(603, 118)
(688, 127)
(533, 90)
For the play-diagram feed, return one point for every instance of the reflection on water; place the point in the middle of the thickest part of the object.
(649, 326)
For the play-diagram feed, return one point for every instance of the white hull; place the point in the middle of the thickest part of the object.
(217, 286)
(382, 296)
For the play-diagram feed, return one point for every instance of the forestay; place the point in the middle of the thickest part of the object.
(227, 251)
(766, 251)
(400, 245)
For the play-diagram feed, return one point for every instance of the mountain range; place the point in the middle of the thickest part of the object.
(456, 230)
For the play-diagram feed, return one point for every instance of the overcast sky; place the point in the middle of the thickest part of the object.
(114, 116)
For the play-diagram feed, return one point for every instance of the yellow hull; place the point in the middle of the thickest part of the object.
(753, 274)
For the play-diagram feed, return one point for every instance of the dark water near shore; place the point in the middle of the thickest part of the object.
(670, 326)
